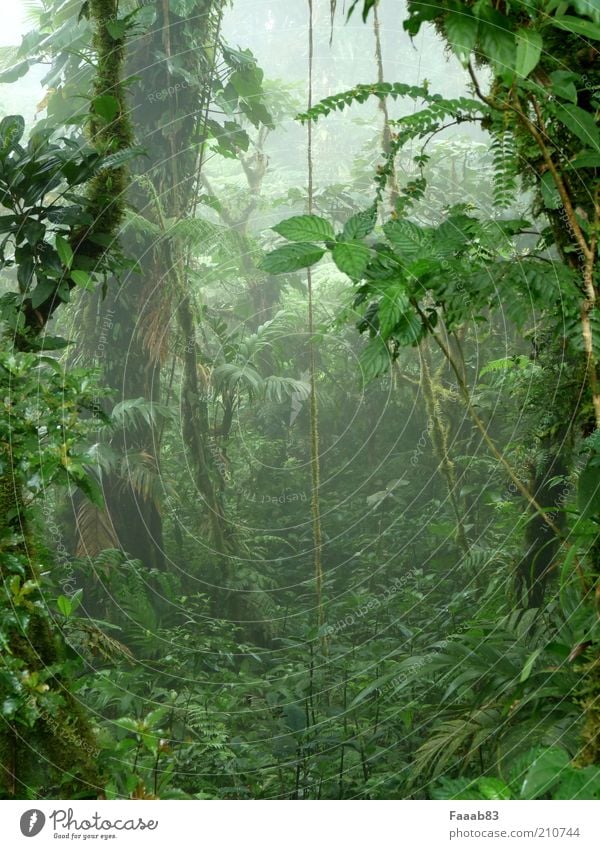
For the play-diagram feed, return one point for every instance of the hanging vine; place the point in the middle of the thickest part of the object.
(314, 412)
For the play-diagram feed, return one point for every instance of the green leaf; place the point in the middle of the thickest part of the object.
(529, 50)
(493, 789)
(589, 8)
(375, 685)
(8, 223)
(405, 236)
(128, 724)
(291, 258)
(305, 228)
(375, 359)
(64, 250)
(563, 85)
(367, 6)
(34, 231)
(529, 664)
(544, 773)
(360, 225)
(585, 159)
(392, 307)
(87, 484)
(64, 605)
(497, 41)
(295, 717)
(11, 132)
(581, 123)
(106, 106)
(15, 73)
(351, 257)
(577, 26)
(42, 292)
(76, 600)
(579, 784)
(53, 343)
(550, 193)
(83, 279)
(461, 31)
(116, 29)
(155, 717)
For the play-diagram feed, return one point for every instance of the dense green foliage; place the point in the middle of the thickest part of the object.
(165, 627)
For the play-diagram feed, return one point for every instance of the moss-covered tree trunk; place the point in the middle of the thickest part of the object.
(56, 749)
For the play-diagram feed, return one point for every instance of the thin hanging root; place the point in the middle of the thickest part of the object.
(314, 411)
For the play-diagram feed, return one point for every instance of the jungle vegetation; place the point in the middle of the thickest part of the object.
(300, 447)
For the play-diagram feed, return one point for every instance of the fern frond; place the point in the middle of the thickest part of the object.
(505, 169)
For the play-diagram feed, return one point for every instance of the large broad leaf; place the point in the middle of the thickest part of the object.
(351, 257)
(585, 159)
(64, 605)
(305, 228)
(579, 784)
(360, 225)
(15, 73)
(375, 359)
(405, 236)
(588, 7)
(575, 25)
(581, 123)
(82, 278)
(493, 789)
(550, 193)
(295, 717)
(497, 41)
(11, 131)
(461, 31)
(544, 773)
(64, 251)
(564, 85)
(391, 309)
(529, 50)
(106, 106)
(591, 8)
(292, 258)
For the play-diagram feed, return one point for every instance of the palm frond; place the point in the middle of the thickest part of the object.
(95, 531)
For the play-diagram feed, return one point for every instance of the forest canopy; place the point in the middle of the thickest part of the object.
(299, 433)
